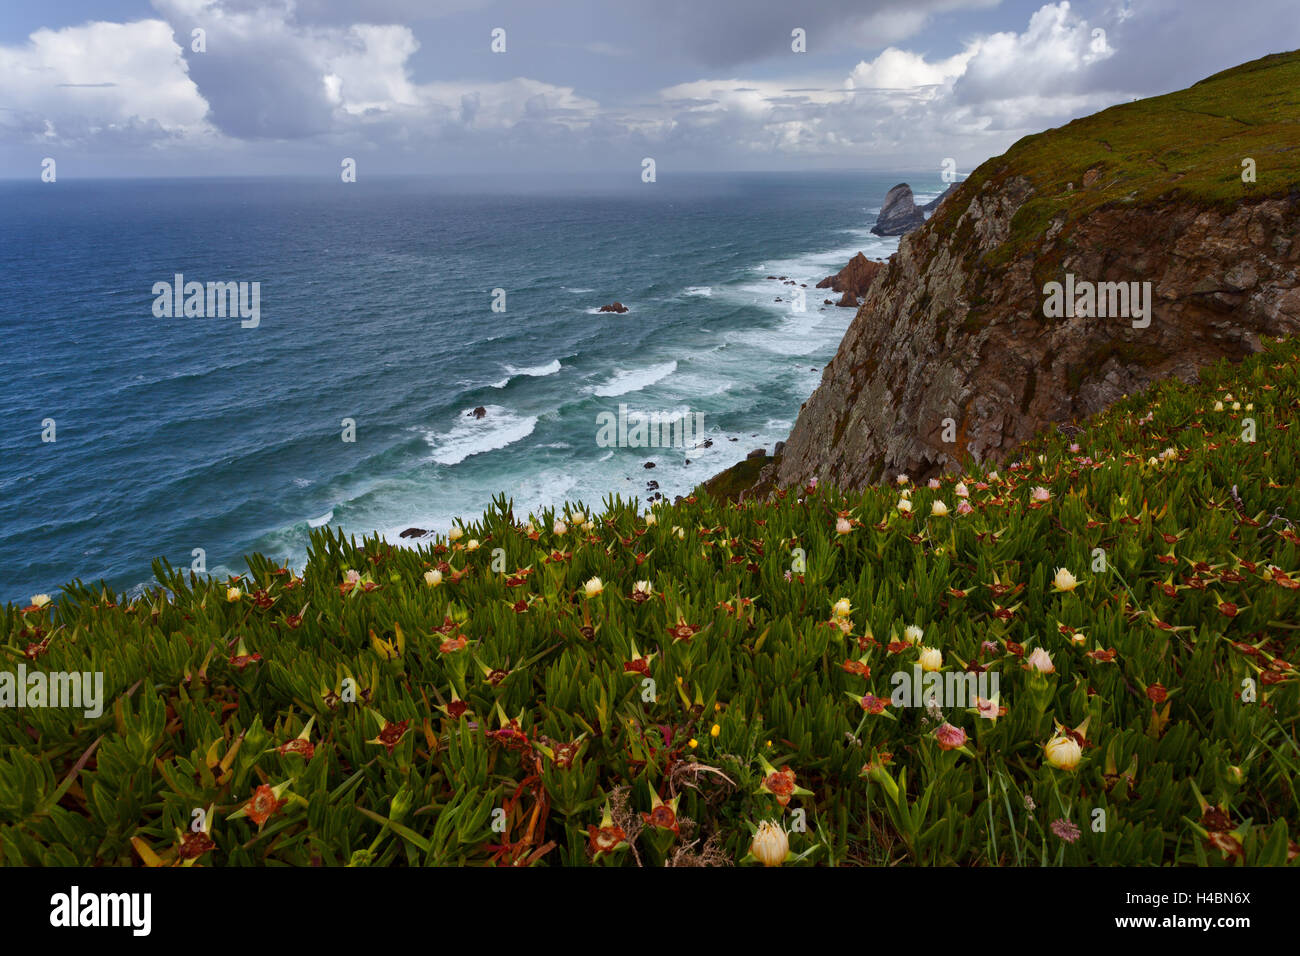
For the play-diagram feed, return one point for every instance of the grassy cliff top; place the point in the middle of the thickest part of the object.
(1189, 144)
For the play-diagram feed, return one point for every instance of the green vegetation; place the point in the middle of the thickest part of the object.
(731, 665)
(1187, 145)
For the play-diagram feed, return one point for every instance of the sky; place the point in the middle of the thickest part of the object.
(127, 88)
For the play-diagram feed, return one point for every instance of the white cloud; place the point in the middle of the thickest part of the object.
(99, 79)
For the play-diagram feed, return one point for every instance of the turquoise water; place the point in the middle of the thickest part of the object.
(376, 305)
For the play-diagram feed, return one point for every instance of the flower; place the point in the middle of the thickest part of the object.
(1065, 829)
(904, 506)
(949, 737)
(1218, 406)
(593, 587)
(771, 844)
(912, 634)
(560, 527)
(715, 730)
(902, 479)
(843, 526)
(606, 838)
(650, 519)
(455, 533)
(939, 509)
(960, 490)
(641, 591)
(934, 484)
(578, 518)
(931, 659)
(843, 608)
(662, 815)
(1040, 494)
(433, 578)
(1064, 581)
(1063, 752)
(40, 600)
(964, 507)
(263, 804)
(1040, 661)
(473, 545)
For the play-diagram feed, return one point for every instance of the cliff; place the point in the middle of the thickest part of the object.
(957, 350)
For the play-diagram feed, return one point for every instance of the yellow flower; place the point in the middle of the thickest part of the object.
(233, 594)
(650, 519)
(843, 608)
(433, 578)
(473, 545)
(693, 743)
(771, 844)
(1063, 752)
(715, 730)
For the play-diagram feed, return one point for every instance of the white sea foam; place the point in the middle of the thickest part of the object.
(473, 436)
(700, 290)
(323, 520)
(533, 371)
(625, 381)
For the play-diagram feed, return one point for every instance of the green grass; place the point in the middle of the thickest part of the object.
(508, 748)
(1188, 145)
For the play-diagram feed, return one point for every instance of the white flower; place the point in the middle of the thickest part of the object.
(961, 490)
(1218, 406)
(1250, 406)
(642, 587)
(938, 509)
(473, 545)
(1064, 580)
(40, 600)
(913, 634)
(1169, 453)
(433, 578)
(1236, 406)
(931, 659)
(560, 528)
(904, 506)
(650, 519)
(771, 845)
(530, 528)
(934, 483)
(992, 476)
(902, 479)
(843, 526)
(455, 533)
(578, 518)
(593, 587)
(843, 608)
(1040, 494)
(1041, 661)
(1063, 752)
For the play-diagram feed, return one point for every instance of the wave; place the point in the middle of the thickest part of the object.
(700, 290)
(534, 371)
(624, 381)
(323, 520)
(474, 436)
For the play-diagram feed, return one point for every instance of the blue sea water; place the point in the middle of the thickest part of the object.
(376, 305)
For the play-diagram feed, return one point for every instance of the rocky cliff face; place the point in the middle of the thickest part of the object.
(953, 354)
(944, 336)
(853, 280)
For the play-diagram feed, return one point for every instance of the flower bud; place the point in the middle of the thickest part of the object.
(1063, 752)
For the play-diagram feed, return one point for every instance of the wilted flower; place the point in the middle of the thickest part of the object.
(771, 844)
(949, 737)
(1063, 752)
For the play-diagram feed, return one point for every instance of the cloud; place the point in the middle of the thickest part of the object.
(111, 80)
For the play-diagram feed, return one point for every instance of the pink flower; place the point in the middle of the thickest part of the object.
(950, 737)
(964, 507)
(1066, 830)
(1040, 494)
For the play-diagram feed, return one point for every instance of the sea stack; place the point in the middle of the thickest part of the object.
(899, 214)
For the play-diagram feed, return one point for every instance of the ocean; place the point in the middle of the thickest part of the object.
(376, 306)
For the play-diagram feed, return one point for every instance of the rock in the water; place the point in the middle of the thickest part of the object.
(848, 300)
(648, 464)
(479, 412)
(613, 307)
(898, 213)
(855, 278)
(413, 533)
(652, 485)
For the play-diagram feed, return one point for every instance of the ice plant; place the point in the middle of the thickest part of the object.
(780, 783)
(1064, 581)
(264, 803)
(433, 578)
(606, 838)
(1063, 752)
(938, 509)
(949, 737)
(913, 634)
(593, 587)
(842, 608)
(931, 659)
(771, 844)
(1040, 661)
